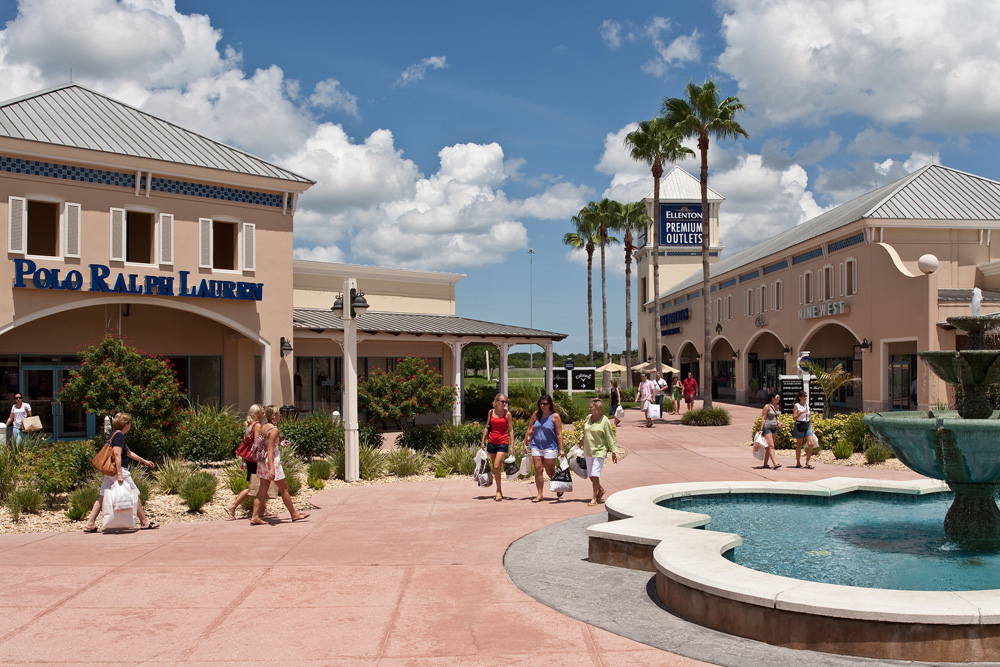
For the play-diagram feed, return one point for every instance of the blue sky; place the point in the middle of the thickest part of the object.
(454, 136)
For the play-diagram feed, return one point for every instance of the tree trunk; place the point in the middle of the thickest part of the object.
(657, 172)
(605, 377)
(590, 303)
(627, 379)
(706, 232)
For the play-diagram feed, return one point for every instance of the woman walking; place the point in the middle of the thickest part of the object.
(769, 426)
(598, 440)
(122, 423)
(803, 428)
(545, 435)
(676, 391)
(499, 432)
(251, 427)
(270, 470)
(615, 399)
(18, 412)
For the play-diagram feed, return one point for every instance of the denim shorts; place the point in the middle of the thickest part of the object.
(493, 449)
(769, 431)
(800, 433)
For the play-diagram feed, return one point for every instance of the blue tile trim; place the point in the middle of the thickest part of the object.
(778, 266)
(846, 243)
(806, 256)
(215, 192)
(753, 275)
(695, 295)
(728, 283)
(714, 288)
(679, 300)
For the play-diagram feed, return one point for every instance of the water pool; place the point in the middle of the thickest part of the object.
(868, 539)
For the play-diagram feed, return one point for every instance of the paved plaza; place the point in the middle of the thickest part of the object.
(390, 574)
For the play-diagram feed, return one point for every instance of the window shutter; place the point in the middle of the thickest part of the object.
(17, 227)
(205, 243)
(118, 235)
(166, 239)
(249, 247)
(71, 244)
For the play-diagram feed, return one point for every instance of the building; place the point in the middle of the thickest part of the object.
(849, 287)
(118, 222)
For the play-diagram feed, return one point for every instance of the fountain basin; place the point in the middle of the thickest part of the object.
(694, 580)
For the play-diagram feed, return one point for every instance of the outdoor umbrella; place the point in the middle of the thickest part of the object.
(611, 367)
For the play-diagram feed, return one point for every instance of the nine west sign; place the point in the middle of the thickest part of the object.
(101, 279)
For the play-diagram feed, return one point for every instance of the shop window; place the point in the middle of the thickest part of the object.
(200, 377)
(37, 227)
(226, 245)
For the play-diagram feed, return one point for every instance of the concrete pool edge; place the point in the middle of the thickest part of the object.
(695, 581)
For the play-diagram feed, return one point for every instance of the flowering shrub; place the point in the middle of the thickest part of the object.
(414, 388)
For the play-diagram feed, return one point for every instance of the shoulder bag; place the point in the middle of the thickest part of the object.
(245, 448)
(104, 460)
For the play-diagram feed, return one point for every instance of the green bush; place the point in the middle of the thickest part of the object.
(315, 482)
(371, 463)
(10, 468)
(24, 499)
(198, 489)
(877, 452)
(150, 443)
(456, 459)
(320, 469)
(469, 434)
(81, 501)
(210, 433)
(428, 439)
(368, 436)
(235, 478)
(478, 399)
(706, 417)
(171, 474)
(843, 450)
(293, 467)
(413, 388)
(64, 466)
(570, 410)
(440, 472)
(315, 434)
(143, 481)
(406, 462)
(854, 430)
(629, 394)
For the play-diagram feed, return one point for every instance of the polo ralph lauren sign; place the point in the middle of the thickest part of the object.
(101, 279)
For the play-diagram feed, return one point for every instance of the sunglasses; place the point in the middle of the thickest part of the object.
(544, 403)
(17, 398)
(499, 401)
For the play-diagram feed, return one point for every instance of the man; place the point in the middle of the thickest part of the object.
(647, 394)
(661, 389)
(690, 390)
(17, 415)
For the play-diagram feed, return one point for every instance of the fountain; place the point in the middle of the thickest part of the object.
(963, 449)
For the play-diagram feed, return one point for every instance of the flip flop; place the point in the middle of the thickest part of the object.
(797, 465)
(92, 529)
(807, 466)
(257, 522)
(600, 494)
(300, 517)
(777, 466)
(498, 498)
(592, 503)
(152, 525)
(535, 500)
(232, 512)
(559, 494)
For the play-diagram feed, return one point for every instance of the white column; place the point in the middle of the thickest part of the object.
(265, 374)
(352, 470)
(548, 368)
(504, 349)
(456, 362)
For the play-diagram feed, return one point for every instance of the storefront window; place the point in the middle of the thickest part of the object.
(9, 379)
(200, 378)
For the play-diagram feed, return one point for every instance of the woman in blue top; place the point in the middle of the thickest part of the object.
(545, 435)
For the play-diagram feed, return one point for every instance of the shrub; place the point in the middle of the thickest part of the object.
(210, 433)
(371, 463)
(457, 459)
(843, 450)
(469, 434)
(405, 462)
(315, 482)
(320, 469)
(706, 417)
(413, 388)
(80, 502)
(9, 470)
(315, 434)
(143, 481)
(198, 490)
(368, 436)
(24, 499)
(877, 452)
(478, 399)
(855, 430)
(64, 465)
(171, 474)
(568, 409)
(428, 439)
(292, 465)
(440, 472)
(235, 478)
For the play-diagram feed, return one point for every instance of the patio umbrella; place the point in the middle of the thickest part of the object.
(611, 367)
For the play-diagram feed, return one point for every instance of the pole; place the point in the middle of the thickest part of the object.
(352, 450)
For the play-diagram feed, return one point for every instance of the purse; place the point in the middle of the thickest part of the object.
(244, 450)
(104, 460)
(31, 424)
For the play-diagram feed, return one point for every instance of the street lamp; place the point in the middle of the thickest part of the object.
(531, 307)
(357, 305)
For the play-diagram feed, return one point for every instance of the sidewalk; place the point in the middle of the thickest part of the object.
(394, 574)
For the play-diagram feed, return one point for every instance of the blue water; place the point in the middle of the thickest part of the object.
(874, 540)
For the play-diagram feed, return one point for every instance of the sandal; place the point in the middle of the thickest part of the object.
(257, 522)
(300, 517)
(808, 466)
(559, 494)
(498, 498)
(535, 500)
(232, 512)
(152, 525)
(592, 503)
(600, 494)
(777, 465)
(92, 529)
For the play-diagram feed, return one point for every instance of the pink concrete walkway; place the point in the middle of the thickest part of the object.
(399, 574)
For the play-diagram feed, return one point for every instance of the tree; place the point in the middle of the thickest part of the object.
(702, 115)
(830, 381)
(116, 377)
(629, 218)
(655, 143)
(475, 357)
(413, 388)
(586, 236)
(606, 214)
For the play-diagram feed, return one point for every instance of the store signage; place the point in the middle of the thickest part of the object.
(670, 332)
(677, 316)
(680, 224)
(760, 322)
(101, 279)
(824, 310)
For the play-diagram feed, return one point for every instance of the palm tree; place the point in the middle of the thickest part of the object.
(630, 218)
(587, 237)
(830, 381)
(655, 143)
(605, 213)
(701, 115)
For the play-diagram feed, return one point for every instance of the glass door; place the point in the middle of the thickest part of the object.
(42, 385)
(899, 382)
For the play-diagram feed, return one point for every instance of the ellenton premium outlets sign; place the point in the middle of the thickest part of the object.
(99, 278)
(680, 224)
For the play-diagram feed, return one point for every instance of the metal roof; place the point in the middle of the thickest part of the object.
(933, 192)
(71, 115)
(418, 324)
(679, 185)
(963, 295)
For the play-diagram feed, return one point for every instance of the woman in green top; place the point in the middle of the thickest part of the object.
(598, 440)
(675, 396)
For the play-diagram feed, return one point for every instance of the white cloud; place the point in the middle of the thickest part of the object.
(416, 72)
(611, 33)
(330, 94)
(922, 63)
(870, 142)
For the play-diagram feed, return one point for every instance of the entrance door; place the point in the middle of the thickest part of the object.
(899, 382)
(42, 386)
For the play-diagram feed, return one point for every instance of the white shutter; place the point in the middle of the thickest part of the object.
(249, 247)
(165, 239)
(117, 235)
(17, 227)
(71, 242)
(205, 243)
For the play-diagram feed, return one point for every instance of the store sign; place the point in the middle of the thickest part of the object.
(670, 332)
(824, 310)
(680, 224)
(100, 278)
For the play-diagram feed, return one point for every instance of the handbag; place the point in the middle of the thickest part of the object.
(244, 450)
(31, 424)
(104, 460)
(258, 451)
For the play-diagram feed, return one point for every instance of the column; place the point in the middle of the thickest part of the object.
(504, 349)
(456, 362)
(548, 368)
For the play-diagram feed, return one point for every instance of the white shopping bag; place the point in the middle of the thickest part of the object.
(577, 464)
(510, 467)
(561, 479)
(620, 413)
(525, 466)
(760, 447)
(653, 411)
(119, 496)
(483, 475)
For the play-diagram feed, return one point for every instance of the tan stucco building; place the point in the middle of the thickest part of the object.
(846, 286)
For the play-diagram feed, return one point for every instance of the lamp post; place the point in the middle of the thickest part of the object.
(531, 307)
(355, 306)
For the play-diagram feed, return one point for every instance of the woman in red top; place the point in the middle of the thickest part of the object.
(690, 389)
(499, 431)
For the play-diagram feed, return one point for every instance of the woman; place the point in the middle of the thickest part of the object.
(270, 470)
(802, 429)
(769, 426)
(615, 399)
(545, 435)
(676, 391)
(250, 427)
(18, 412)
(122, 424)
(499, 431)
(598, 440)
(690, 391)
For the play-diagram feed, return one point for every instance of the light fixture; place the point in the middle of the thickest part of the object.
(359, 305)
(736, 354)
(285, 346)
(865, 345)
(788, 350)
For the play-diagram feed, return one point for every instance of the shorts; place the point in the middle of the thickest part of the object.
(545, 453)
(769, 431)
(689, 398)
(594, 466)
(493, 449)
(799, 433)
(251, 469)
(111, 481)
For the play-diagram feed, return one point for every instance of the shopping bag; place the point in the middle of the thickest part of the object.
(760, 447)
(645, 405)
(525, 468)
(620, 413)
(31, 424)
(119, 494)
(254, 486)
(483, 475)
(653, 411)
(561, 480)
(577, 463)
(510, 467)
